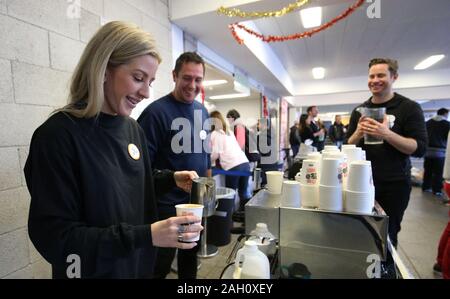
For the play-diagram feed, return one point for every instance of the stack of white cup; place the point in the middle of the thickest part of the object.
(291, 194)
(360, 191)
(343, 162)
(331, 148)
(330, 187)
(274, 182)
(353, 153)
(308, 177)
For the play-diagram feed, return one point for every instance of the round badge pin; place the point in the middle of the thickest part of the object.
(134, 151)
(203, 134)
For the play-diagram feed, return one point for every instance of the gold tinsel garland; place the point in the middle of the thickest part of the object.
(235, 12)
(277, 38)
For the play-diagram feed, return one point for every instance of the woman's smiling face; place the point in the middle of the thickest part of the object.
(128, 84)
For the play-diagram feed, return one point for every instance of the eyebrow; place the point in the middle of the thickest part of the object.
(139, 70)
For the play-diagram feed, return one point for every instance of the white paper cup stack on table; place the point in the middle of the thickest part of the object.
(344, 146)
(291, 194)
(330, 188)
(274, 182)
(190, 209)
(331, 148)
(344, 166)
(360, 190)
(316, 156)
(309, 181)
(353, 154)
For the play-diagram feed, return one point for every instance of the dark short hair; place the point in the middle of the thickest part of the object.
(310, 108)
(442, 111)
(392, 64)
(233, 114)
(187, 57)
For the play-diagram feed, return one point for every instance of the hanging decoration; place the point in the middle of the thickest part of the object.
(277, 38)
(235, 12)
(265, 110)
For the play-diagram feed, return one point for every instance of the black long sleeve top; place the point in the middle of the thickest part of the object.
(407, 120)
(93, 195)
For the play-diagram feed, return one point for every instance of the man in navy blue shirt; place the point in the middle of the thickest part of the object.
(174, 127)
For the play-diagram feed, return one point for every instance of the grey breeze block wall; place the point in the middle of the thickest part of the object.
(40, 44)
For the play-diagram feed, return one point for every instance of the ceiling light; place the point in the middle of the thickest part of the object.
(214, 82)
(311, 17)
(230, 96)
(318, 72)
(428, 62)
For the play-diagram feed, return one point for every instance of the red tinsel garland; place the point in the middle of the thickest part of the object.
(275, 38)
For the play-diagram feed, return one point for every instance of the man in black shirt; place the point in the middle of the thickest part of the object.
(437, 129)
(318, 133)
(404, 134)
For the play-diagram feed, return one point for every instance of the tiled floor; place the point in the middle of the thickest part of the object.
(422, 225)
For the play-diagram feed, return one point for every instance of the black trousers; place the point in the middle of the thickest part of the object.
(393, 197)
(432, 176)
(186, 259)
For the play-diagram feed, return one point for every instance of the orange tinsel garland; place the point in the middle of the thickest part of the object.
(275, 38)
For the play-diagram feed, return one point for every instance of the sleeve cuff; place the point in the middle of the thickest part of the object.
(143, 236)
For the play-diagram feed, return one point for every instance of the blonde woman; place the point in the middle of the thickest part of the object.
(226, 150)
(93, 212)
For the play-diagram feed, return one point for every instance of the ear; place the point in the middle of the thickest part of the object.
(107, 75)
(174, 75)
(395, 77)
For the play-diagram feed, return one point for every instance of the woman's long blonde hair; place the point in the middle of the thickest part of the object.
(114, 44)
(219, 122)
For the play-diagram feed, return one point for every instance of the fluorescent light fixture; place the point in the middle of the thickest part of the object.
(209, 83)
(428, 62)
(318, 72)
(311, 17)
(230, 96)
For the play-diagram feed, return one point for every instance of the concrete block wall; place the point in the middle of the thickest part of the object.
(41, 42)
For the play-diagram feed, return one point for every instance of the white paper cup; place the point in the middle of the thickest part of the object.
(353, 154)
(345, 146)
(190, 209)
(309, 196)
(274, 181)
(291, 194)
(359, 202)
(331, 148)
(309, 174)
(360, 176)
(330, 198)
(314, 156)
(331, 172)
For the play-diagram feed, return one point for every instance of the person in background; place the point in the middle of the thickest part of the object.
(294, 138)
(245, 138)
(437, 129)
(404, 134)
(88, 171)
(319, 133)
(442, 264)
(226, 150)
(337, 132)
(177, 140)
(323, 137)
(306, 132)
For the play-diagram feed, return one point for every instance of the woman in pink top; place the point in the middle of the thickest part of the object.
(226, 150)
